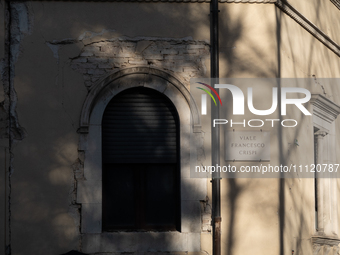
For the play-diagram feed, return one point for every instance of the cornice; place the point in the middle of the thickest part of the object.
(247, 1)
(324, 108)
(170, 1)
(336, 3)
(308, 25)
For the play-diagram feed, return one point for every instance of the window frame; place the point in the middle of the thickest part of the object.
(324, 114)
(89, 182)
(140, 168)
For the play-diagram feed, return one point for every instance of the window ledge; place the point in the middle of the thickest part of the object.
(141, 241)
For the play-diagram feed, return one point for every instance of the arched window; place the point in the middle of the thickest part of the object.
(182, 203)
(140, 162)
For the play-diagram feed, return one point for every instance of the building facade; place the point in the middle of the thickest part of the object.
(97, 117)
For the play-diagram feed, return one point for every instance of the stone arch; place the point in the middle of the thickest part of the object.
(89, 186)
(146, 76)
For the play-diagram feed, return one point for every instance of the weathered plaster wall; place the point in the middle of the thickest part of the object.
(292, 200)
(248, 40)
(301, 55)
(250, 218)
(183, 57)
(65, 55)
(324, 14)
(70, 46)
(60, 60)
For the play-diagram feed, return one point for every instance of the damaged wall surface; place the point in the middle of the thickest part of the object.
(54, 55)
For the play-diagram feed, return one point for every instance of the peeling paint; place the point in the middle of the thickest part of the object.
(180, 56)
(55, 49)
(106, 51)
(3, 112)
(21, 25)
(95, 55)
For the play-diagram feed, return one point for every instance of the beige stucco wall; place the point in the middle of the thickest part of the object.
(324, 14)
(248, 40)
(250, 219)
(301, 55)
(51, 94)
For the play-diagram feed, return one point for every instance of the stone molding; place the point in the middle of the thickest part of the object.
(320, 133)
(89, 182)
(324, 110)
(325, 245)
(92, 97)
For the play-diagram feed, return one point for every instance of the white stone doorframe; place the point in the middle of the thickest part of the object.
(89, 188)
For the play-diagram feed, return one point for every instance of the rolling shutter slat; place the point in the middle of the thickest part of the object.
(140, 126)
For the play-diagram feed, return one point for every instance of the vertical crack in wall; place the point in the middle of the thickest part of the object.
(319, 84)
(17, 24)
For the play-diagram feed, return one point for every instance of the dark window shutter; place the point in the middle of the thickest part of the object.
(139, 126)
(141, 177)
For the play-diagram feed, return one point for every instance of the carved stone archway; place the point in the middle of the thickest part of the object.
(89, 188)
